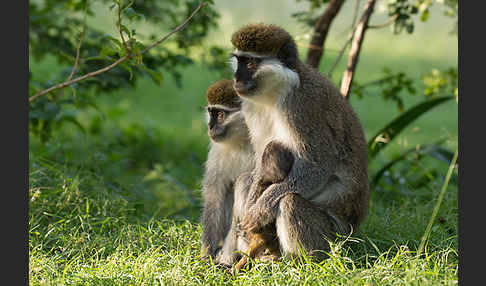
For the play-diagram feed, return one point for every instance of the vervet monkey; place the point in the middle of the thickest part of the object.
(276, 163)
(326, 191)
(230, 155)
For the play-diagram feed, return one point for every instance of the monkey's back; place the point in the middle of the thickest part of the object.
(327, 119)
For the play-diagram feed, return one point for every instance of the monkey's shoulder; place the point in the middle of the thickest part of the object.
(224, 165)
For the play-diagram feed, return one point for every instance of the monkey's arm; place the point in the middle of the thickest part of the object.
(216, 217)
(306, 179)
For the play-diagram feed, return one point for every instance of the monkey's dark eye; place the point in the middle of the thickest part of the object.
(251, 65)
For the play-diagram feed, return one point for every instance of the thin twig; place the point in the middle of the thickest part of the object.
(69, 82)
(119, 61)
(348, 41)
(120, 28)
(177, 29)
(388, 23)
(76, 61)
(378, 81)
(338, 59)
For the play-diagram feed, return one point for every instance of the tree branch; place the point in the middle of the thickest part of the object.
(357, 42)
(314, 54)
(338, 59)
(120, 60)
(353, 29)
(120, 28)
(388, 23)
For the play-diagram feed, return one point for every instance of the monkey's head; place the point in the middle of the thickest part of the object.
(225, 121)
(264, 59)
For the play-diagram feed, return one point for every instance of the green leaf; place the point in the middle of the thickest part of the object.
(126, 30)
(130, 13)
(425, 15)
(391, 130)
(114, 41)
(434, 151)
(128, 68)
(410, 28)
(441, 154)
(156, 75)
(107, 51)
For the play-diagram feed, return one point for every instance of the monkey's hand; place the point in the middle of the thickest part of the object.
(252, 220)
(258, 215)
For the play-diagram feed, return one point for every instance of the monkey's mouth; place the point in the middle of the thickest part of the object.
(217, 134)
(244, 87)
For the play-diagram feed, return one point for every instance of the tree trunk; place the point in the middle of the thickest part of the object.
(321, 30)
(358, 38)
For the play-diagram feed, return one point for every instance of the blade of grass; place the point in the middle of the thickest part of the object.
(434, 151)
(437, 205)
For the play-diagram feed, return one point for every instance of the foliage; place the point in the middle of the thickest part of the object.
(392, 86)
(418, 152)
(401, 11)
(54, 31)
(404, 10)
(439, 87)
(216, 59)
(441, 82)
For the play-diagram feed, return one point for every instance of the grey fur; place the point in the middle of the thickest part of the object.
(326, 192)
(236, 239)
(227, 159)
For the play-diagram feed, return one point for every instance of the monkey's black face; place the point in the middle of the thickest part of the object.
(246, 67)
(218, 122)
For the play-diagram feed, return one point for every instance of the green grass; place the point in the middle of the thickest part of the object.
(121, 203)
(85, 229)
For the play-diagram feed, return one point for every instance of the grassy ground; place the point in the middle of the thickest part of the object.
(86, 228)
(120, 204)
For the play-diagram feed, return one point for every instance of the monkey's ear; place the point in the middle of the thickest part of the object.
(288, 54)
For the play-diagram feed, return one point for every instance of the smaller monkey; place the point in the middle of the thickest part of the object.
(230, 154)
(276, 162)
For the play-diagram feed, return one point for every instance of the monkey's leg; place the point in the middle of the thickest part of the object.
(216, 219)
(233, 241)
(262, 245)
(256, 245)
(303, 226)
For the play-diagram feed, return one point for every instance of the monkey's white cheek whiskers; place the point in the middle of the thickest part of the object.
(278, 74)
(233, 63)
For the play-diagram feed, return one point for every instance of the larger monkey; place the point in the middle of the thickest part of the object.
(326, 192)
(230, 155)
